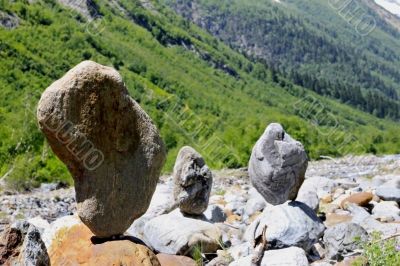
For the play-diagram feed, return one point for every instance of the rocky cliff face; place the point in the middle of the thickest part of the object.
(87, 8)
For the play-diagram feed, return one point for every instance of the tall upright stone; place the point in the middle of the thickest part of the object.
(192, 182)
(109, 144)
(277, 165)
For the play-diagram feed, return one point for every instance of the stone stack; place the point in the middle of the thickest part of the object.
(182, 231)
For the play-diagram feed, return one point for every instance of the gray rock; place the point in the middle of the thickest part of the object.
(255, 203)
(364, 219)
(223, 259)
(175, 234)
(192, 182)
(388, 193)
(321, 263)
(109, 144)
(240, 251)
(308, 195)
(160, 201)
(313, 189)
(386, 210)
(33, 251)
(292, 256)
(342, 239)
(236, 207)
(346, 183)
(289, 224)
(215, 214)
(277, 165)
(245, 261)
(39, 223)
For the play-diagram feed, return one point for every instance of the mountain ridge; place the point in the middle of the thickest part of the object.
(198, 90)
(314, 44)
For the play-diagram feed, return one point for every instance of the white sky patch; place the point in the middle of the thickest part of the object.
(393, 6)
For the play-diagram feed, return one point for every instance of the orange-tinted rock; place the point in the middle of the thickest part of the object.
(233, 218)
(254, 217)
(361, 199)
(327, 198)
(74, 246)
(174, 260)
(333, 219)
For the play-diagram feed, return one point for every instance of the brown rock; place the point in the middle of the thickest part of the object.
(174, 260)
(76, 246)
(361, 199)
(21, 244)
(109, 144)
(333, 219)
(10, 243)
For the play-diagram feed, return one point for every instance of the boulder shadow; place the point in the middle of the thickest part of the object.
(98, 241)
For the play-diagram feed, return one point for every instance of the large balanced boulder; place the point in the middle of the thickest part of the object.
(76, 245)
(109, 144)
(192, 182)
(277, 165)
(289, 224)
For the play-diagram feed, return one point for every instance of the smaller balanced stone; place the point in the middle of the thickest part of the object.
(109, 144)
(277, 165)
(192, 182)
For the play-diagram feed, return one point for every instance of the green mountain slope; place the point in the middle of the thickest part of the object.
(198, 90)
(348, 50)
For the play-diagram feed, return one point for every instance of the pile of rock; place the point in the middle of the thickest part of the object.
(180, 231)
(115, 155)
(269, 215)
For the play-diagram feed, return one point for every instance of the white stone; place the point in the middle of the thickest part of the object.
(175, 234)
(292, 256)
(385, 210)
(62, 223)
(289, 224)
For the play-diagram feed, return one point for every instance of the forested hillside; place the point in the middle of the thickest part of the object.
(198, 90)
(347, 50)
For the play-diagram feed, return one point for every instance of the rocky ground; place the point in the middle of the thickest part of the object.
(353, 197)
